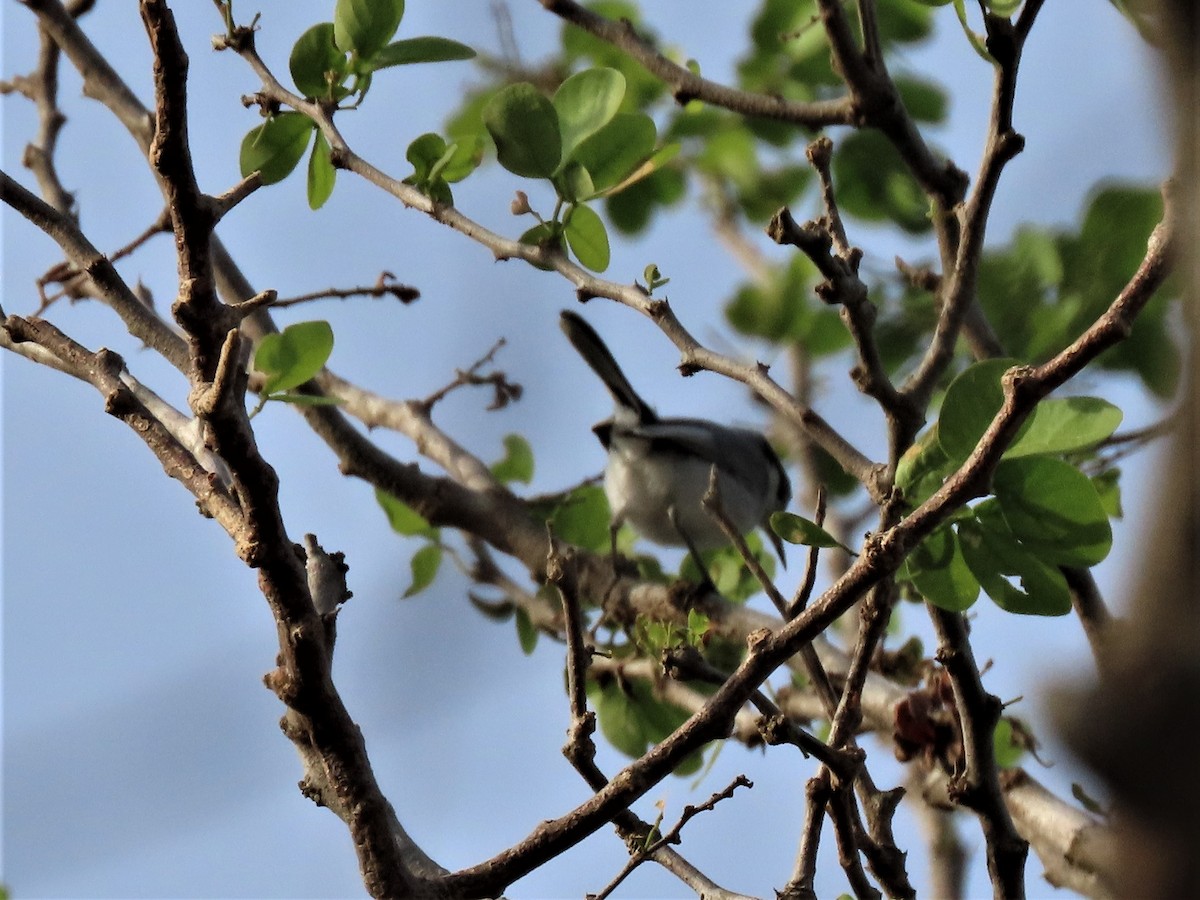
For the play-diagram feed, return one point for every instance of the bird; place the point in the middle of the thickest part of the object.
(658, 469)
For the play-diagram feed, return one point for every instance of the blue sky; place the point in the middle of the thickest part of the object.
(141, 753)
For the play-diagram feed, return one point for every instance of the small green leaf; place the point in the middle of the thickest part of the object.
(403, 518)
(613, 152)
(940, 573)
(293, 356)
(923, 468)
(587, 237)
(798, 530)
(321, 173)
(517, 464)
(574, 183)
(585, 103)
(527, 635)
(525, 128)
(992, 553)
(1008, 751)
(652, 164)
(976, 41)
(365, 26)
(276, 146)
(424, 565)
(420, 50)
(460, 159)
(874, 184)
(971, 402)
(424, 152)
(581, 518)
(1065, 425)
(1108, 487)
(316, 63)
(924, 100)
(619, 722)
(1054, 510)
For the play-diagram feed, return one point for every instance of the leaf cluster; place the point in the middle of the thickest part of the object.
(1043, 512)
(333, 63)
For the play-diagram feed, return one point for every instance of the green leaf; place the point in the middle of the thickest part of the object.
(585, 103)
(460, 159)
(938, 570)
(992, 553)
(316, 63)
(424, 153)
(923, 468)
(403, 518)
(420, 50)
(976, 41)
(971, 402)
(276, 146)
(1054, 510)
(525, 128)
(614, 151)
(365, 26)
(1008, 751)
(632, 719)
(874, 184)
(1108, 487)
(574, 183)
(321, 173)
(798, 530)
(517, 464)
(619, 722)
(581, 518)
(587, 237)
(527, 635)
(649, 166)
(924, 100)
(631, 208)
(293, 356)
(1065, 425)
(424, 566)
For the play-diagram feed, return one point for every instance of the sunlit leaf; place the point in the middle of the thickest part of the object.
(517, 464)
(321, 173)
(585, 103)
(524, 126)
(291, 357)
(276, 146)
(366, 26)
(420, 50)
(940, 573)
(1053, 508)
(798, 530)
(587, 237)
(1065, 425)
(315, 57)
(403, 518)
(424, 566)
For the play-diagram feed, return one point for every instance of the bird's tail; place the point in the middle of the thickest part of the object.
(597, 355)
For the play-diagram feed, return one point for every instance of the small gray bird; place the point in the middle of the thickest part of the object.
(658, 469)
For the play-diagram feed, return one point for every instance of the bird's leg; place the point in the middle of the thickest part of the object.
(707, 583)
